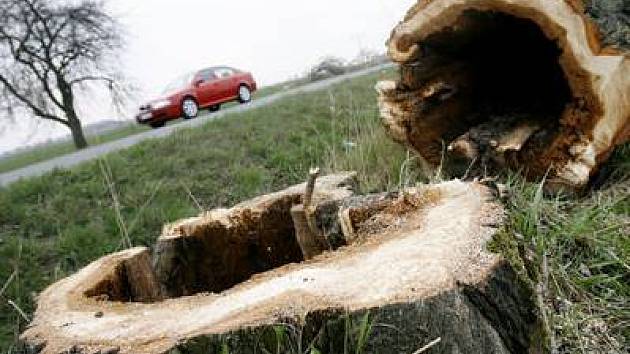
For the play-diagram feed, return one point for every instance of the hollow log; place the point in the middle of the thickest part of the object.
(415, 261)
(532, 74)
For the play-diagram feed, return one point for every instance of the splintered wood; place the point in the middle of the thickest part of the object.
(488, 143)
(521, 84)
(312, 243)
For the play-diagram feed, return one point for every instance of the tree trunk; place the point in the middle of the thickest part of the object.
(524, 84)
(74, 123)
(77, 132)
(231, 279)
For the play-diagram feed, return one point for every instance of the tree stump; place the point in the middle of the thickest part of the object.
(525, 84)
(231, 279)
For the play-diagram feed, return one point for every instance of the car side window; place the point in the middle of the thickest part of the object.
(223, 73)
(206, 75)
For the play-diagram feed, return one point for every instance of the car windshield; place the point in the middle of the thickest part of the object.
(179, 83)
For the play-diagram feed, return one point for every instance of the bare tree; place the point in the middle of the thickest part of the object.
(50, 50)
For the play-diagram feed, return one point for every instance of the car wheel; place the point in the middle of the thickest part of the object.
(156, 125)
(214, 108)
(244, 94)
(190, 108)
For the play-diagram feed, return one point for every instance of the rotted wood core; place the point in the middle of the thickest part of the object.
(496, 84)
(492, 92)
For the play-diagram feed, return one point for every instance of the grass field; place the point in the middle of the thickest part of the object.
(52, 150)
(52, 225)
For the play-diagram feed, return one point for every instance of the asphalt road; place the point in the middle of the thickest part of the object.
(73, 159)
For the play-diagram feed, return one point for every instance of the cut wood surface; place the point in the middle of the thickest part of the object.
(466, 63)
(417, 260)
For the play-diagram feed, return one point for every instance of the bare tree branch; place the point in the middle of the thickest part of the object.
(36, 110)
(79, 80)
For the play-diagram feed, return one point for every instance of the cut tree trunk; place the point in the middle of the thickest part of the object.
(525, 84)
(413, 263)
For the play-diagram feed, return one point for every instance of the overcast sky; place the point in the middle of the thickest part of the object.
(274, 39)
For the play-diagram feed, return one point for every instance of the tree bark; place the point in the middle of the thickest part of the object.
(74, 123)
(78, 137)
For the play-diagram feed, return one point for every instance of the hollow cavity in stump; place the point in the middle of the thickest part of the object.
(492, 83)
(501, 76)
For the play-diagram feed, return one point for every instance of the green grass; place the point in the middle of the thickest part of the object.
(52, 150)
(578, 250)
(53, 225)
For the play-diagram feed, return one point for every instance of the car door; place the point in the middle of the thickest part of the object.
(226, 82)
(207, 88)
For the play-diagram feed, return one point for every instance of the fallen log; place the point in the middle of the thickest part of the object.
(230, 279)
(466, 65)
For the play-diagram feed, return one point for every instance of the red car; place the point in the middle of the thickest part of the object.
(207, 88)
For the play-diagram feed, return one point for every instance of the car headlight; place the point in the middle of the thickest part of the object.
(160, 104)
